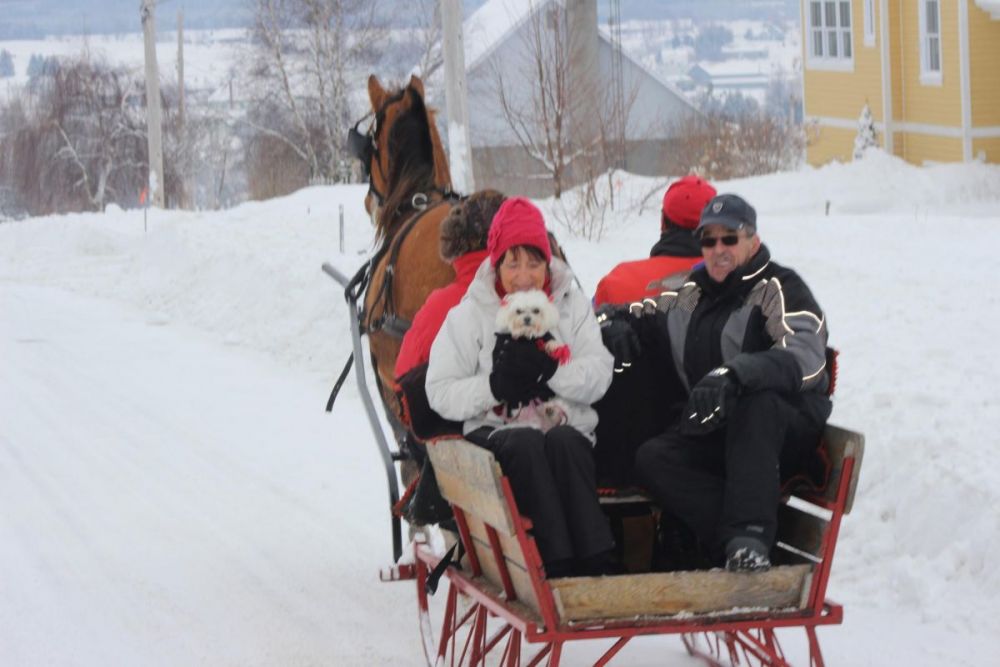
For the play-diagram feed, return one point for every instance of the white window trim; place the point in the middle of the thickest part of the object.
(840, 63)
(868, 10)
(928, 77)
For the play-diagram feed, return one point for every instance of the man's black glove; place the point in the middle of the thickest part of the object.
(520, 371)
(618, 335)
(710, 401)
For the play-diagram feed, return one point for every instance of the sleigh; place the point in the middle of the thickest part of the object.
(501, 607)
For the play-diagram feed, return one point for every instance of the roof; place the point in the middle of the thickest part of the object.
(487, 27)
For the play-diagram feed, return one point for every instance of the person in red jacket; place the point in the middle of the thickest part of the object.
(632, 410)
(463, 243)
(672, 257)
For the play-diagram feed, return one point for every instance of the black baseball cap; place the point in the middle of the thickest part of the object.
(731, 211)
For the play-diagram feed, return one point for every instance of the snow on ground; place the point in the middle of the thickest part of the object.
(174, 494)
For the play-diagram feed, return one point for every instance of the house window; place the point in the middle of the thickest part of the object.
(869, 6)
(829, 34)
(930, 41)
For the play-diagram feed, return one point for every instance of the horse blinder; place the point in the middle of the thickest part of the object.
(361, 146)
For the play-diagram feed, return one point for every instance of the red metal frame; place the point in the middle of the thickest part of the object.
(748, 639)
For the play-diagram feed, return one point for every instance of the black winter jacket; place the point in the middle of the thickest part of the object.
(762, 322)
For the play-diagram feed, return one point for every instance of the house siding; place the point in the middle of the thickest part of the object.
(920, 148)
(984, 68)
(843, 94)
(830, 143)
(927, 110)
(990, 149)
(935, 104)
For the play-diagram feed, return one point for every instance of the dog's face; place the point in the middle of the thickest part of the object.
(527, 314)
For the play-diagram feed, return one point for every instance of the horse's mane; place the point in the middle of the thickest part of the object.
(411, 162)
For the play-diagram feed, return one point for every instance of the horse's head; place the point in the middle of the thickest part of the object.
(401, 151)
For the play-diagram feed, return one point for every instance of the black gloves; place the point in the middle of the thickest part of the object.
(520, 371)
(618, 335)
(710, 400)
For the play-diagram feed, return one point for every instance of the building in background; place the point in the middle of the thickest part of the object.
(928, 69)
(498, 38)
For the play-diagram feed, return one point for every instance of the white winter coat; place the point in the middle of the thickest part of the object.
(458, 385)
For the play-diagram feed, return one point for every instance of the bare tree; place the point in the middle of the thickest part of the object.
(75, 139)
(305, 52)
(536, 101)
(427, 34)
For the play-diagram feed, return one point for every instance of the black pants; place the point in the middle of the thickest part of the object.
(552, 476)
(727, 483)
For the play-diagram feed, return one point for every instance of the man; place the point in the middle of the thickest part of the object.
(629, 415)
(672, 257)
(749, 340)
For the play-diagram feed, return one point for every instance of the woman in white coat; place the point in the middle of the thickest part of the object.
(473, 379)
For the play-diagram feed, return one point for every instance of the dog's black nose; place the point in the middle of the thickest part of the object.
(527, 320)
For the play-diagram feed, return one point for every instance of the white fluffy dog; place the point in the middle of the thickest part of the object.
(531, 314)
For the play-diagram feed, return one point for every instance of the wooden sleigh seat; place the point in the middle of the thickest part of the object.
(720, 614)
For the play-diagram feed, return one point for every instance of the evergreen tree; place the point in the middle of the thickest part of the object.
(6, 64)
(35, 65)
(866, 137)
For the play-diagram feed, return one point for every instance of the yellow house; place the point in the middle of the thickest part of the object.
(929, 70)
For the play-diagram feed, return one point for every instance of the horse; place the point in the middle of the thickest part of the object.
(409, 194)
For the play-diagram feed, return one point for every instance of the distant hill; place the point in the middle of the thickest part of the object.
(32, 19)
(706, 10)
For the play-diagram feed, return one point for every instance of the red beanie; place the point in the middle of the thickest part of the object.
(517, 222)
(685, 199)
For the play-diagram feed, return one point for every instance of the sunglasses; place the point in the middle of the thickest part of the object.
(709, 241)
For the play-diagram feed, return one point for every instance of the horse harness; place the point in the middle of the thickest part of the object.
(389, 320)
(357, 288)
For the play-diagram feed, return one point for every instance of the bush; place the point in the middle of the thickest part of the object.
(721, 147)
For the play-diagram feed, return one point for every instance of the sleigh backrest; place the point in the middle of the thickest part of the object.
(809, 519)
(498, 547)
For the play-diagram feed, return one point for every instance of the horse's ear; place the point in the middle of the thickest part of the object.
(376, 93)
(417, 85)
(442, 175)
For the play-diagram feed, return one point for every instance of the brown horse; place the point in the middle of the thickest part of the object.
(409, 195)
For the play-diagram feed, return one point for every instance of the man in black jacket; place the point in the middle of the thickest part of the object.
(748, 341)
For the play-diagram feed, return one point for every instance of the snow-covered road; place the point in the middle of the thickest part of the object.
(168, 500)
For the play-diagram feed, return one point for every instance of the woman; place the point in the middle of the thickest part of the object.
(551, 473)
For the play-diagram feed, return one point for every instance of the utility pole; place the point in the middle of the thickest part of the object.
(581, 32)
(185, 177)
(154, 124)
(180, 69)
(456, 97)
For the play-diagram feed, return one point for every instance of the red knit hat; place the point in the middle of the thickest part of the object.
(517, 222)
(685, 199)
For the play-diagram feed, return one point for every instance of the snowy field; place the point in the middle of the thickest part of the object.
(210, 56)
(173, 493)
